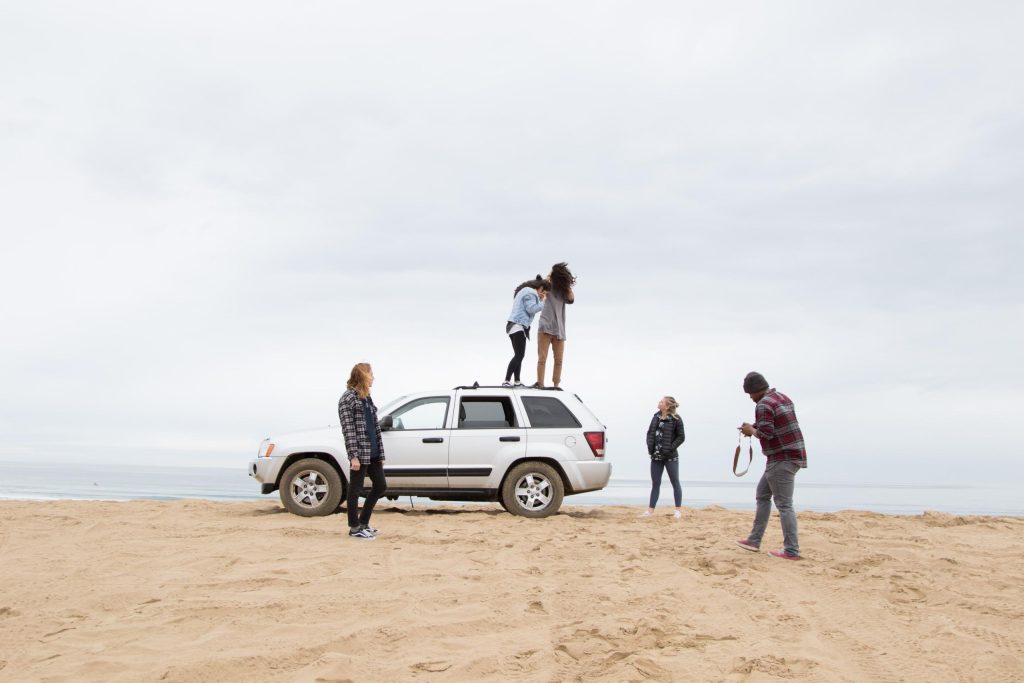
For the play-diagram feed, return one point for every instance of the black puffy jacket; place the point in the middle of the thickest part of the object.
(672, 436)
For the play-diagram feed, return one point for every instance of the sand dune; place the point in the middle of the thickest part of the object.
(199, 591)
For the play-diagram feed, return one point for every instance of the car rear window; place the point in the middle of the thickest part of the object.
(486, 412)
(548, 412)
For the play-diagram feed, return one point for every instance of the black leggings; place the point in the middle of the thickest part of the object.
(659, 466)
(355, 487)
(519, 349)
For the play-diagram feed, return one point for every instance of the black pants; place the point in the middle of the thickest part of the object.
(672, 467)
(519, 350)
(355, 487)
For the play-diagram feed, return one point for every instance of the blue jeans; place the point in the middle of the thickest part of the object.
(777, 483)
(659, 466)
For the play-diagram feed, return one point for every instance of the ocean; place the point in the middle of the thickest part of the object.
(26, 481)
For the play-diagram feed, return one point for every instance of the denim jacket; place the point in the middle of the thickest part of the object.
(526, 305)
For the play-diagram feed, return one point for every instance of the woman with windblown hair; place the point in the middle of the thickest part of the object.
(664, 437)
(527, 301)
(551, 327)
(365, 448)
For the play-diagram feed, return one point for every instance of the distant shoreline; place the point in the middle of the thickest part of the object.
(53, 482)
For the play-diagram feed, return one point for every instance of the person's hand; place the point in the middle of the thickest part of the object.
(542, 294)
(747, 429)
(354, 464)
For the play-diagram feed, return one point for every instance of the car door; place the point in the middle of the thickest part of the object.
(485, 435)
(416, 445)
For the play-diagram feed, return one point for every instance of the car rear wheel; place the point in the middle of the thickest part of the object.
(532, 489)
(311, 488)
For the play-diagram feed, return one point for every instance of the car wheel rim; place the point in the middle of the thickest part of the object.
(533, 491)
(309, 489)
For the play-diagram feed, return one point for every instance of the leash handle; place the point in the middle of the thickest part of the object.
(736, 455)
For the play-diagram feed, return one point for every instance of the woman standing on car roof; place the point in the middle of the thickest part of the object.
(527, 301)
(365, 448)
(551, 327)
(664, 437)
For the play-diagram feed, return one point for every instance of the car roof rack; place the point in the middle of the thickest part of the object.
(477, 385)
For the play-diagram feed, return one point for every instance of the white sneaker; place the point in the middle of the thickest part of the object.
(678, 514)
(647, 513)
(506, 384)
(362, 534)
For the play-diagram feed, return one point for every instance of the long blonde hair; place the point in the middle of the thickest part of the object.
(359, 380)
(672, 405)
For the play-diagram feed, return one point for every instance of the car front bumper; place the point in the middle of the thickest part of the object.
(264, 470)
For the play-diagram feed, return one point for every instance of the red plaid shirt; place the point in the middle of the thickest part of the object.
(778, 430)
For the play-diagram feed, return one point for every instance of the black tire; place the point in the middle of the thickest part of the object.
(303, 484)
(532, 489)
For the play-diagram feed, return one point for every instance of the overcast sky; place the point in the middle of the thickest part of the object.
(211, 210)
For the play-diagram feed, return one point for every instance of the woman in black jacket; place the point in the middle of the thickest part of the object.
(664, 437)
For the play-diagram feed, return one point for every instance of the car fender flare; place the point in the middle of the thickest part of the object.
(557, 466)
(316, 455)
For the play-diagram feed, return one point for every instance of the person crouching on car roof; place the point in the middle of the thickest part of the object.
(527, 301)
(365, 449)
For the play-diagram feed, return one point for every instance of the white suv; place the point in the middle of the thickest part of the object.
(525, 448)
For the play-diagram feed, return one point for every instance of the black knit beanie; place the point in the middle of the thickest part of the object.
(754, 382)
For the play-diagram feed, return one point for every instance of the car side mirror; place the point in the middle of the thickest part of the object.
(386, 423)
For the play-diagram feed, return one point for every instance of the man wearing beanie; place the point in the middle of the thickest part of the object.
(776, 427)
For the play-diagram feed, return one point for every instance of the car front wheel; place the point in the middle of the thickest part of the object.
(311, 488)
(532, 489)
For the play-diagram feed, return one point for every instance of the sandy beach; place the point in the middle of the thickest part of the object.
(202, 591)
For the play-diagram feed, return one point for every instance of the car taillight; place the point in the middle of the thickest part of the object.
(596, 441)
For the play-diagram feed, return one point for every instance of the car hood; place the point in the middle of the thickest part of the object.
(330, 436)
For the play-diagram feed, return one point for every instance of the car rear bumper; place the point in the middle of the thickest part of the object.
(589, 475)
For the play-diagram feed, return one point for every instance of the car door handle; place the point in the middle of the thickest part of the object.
(433, 439)
(508, 438)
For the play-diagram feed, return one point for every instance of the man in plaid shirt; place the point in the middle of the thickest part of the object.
(782, 443)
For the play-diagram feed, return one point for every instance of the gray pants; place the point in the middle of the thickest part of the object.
(777, 482)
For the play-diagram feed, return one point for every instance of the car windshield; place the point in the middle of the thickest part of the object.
(392, 404)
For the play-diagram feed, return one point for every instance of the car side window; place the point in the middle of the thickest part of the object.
(486, 412)
(423, 413)
(545, 411)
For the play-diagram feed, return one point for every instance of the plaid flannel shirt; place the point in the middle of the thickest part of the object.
(353, 426)
(778, 430)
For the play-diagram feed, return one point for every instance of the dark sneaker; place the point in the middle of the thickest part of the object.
(747, 545)
(373, 532)
(782, 554)
(362, 534)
